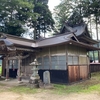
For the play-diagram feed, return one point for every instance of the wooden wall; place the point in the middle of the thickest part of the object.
(77, 73)
(70, 59)
(26, 69)
(76, 62)
(53, 58)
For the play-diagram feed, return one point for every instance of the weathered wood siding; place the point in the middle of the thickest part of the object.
(78, 64)
(53, 58)
(73, 73)
(69, 58)
(84, 71)
(26, 69)
(76, 50)
(77, 73)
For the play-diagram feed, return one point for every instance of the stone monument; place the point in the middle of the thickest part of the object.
(46, 77)
(46, 80)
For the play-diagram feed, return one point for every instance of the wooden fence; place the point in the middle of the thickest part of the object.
(94, 67)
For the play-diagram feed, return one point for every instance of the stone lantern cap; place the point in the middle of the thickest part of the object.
(35, 62)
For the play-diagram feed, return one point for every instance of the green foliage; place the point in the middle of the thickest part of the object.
(45, 21)
(23, 89)
(64, 10)
(14, 14)
(82, 8)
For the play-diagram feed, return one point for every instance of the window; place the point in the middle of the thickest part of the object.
(13, 64)
(46, 62)
(40, 61)
(62, 62)
(75, 60)
(54, 63)
(58, 62)
(72, 60)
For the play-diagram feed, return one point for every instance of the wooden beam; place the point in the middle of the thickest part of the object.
(17, 57)
(12, 58)
(25, 49)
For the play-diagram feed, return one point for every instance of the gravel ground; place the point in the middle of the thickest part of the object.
(48, 96)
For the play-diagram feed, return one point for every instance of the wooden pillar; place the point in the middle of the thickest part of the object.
(7, 69)
(19, 69)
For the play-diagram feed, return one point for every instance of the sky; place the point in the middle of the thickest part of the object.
(52, 4)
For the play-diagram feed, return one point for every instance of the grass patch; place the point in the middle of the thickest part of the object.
(0, 70)
(60, 89)
(87, 86)
(23, 89)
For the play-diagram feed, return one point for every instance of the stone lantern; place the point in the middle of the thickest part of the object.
(34, 78)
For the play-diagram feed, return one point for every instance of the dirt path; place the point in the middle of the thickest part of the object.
(48, 96)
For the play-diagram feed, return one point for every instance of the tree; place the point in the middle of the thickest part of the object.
(44, 21)
(14, 14)
(64, 10)
(87, 10)
(17, 14)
